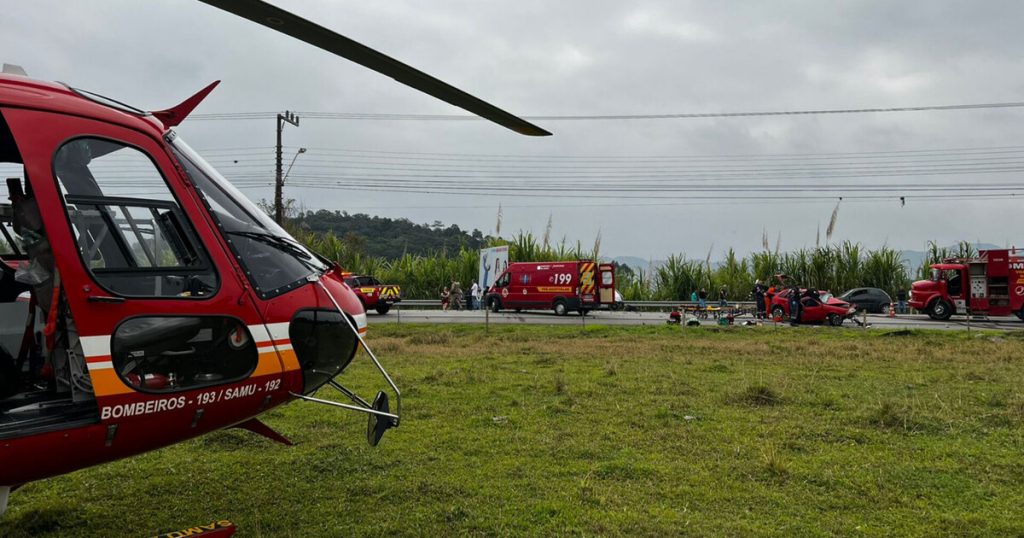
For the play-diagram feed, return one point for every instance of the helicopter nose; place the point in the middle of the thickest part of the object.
(324, 344)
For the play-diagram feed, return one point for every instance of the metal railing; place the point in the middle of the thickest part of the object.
(639, 305)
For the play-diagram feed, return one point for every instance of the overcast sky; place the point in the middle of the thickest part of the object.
(587, 57)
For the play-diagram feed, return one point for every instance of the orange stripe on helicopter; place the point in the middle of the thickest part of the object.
(289, 359)
(106, 382)
(268, 364)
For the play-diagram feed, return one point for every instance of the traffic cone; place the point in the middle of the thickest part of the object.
(892, 310)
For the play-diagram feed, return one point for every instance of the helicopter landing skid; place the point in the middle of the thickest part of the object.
(381, 419)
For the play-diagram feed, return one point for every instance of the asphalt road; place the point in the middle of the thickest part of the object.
(874, 321)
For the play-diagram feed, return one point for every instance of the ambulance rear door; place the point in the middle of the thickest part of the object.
(606, 283)
(588, 282)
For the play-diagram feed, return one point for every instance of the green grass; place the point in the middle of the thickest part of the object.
(651, 431)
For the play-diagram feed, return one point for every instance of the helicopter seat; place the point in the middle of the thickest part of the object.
(37, 272)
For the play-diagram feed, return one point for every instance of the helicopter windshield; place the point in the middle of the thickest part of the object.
(274, 261)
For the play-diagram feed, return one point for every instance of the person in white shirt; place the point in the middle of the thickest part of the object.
(474, 296)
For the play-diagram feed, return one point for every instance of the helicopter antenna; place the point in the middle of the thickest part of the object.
(11, 69)
(172, 117)
(290, 24)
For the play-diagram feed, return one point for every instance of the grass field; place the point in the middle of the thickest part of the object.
(649, 431)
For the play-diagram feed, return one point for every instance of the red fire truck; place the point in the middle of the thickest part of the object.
(991, 284)
(580, 285)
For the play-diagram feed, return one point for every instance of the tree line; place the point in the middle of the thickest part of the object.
(387, 238)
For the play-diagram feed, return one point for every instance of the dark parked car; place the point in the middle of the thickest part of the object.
(873, 300)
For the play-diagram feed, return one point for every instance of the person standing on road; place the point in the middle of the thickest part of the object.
(794, 305)
(445, 298)
(759, 291)
(901, 298)
(457, 297)
(723, 300)
(693, 296)
(474, 296)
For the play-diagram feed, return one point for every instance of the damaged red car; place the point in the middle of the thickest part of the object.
(819, 307)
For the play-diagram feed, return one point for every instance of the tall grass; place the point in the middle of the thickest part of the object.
(836, 267)
(936, 254)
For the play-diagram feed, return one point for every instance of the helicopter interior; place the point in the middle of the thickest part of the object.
(43, 381)
(136, 241)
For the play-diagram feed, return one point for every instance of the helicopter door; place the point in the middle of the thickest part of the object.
(164, 323)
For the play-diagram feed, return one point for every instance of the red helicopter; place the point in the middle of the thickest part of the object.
(144, 299)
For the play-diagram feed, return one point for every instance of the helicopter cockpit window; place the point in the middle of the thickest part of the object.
(131, 233)
(171, 354)
(273, 261)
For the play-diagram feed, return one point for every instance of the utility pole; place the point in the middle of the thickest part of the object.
(279, 183)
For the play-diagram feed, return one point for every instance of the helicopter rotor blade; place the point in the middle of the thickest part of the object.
(290, 24)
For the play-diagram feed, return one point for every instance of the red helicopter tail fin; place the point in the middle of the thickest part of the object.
(172, 117)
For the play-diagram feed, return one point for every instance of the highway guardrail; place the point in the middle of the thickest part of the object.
(639, 305)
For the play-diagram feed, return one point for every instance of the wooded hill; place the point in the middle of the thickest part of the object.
(389, 238)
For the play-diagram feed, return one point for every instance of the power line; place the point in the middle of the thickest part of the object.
(785, 201)
(486, 157)
(590, 179)
(478, 167)
(413, 169)
(731, 178)
(661, 196)
(485, 165)
(493, 189)
(691, 156)
(603, 117)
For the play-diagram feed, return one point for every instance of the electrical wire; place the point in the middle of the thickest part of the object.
(727, 178)
(221, 116)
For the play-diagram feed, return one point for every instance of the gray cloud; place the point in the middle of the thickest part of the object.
(580, 57)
